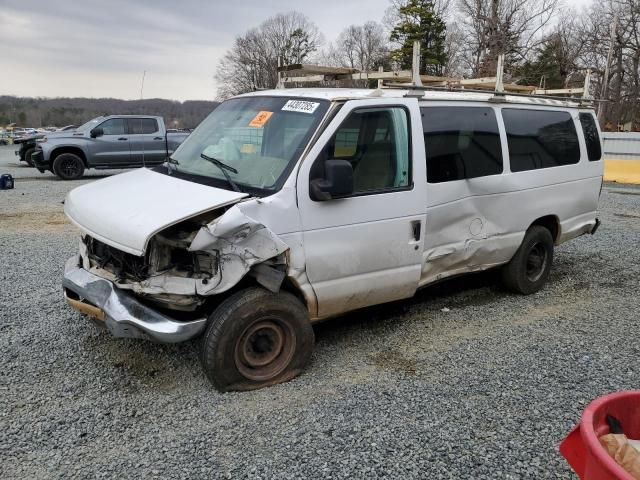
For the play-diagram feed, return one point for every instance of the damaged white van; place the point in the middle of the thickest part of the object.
(286, 207)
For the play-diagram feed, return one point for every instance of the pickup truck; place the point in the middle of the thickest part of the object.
(114, 141)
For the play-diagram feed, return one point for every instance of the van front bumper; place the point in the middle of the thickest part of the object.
(119, 311)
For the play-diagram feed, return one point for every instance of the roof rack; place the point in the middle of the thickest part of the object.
(497, 96)
(412, 80)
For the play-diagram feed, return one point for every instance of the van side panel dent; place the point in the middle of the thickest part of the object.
(479, 223)
(240, 242)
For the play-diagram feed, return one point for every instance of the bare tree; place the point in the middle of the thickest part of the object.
(509, 27)
(457, 64)
(362, 46)
(623, 79)
(252, 61)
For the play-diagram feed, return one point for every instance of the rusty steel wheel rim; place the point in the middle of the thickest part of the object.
(265, 349)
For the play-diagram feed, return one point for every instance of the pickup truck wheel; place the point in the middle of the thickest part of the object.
(27, 156)
(529, 268)
(256, 338)
(68, 166)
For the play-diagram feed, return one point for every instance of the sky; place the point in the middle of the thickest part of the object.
(100, 48)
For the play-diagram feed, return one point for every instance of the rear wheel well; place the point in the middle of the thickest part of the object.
(76, 151)
(551, 223)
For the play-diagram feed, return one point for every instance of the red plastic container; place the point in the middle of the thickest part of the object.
(582, 448)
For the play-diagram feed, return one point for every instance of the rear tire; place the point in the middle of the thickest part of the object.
(256, 338)
(528, 270)
(68, 166)
(27, 156)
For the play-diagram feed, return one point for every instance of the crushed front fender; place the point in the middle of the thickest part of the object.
(240, 242)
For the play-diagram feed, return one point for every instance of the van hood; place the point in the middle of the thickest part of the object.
(126, 210)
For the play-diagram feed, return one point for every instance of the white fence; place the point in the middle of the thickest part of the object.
(621, 146)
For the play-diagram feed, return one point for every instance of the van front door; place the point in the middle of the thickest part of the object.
(366, 248)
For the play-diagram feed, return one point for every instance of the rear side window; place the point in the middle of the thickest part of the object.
(591, 137)
(540, 139)
(142, 126)
(461, 142)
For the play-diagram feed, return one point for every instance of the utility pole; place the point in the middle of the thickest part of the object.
(142, 86)
(605, 80)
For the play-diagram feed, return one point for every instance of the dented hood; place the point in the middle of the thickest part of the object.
(126, 210)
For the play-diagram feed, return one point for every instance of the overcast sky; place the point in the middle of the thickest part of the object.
(91, 48)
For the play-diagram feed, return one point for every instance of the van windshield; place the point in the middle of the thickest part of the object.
(256, 139)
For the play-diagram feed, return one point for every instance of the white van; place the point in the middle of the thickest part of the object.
(286, 207)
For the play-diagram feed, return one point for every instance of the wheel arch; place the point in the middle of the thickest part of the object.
(551, 223)
(288, 285)
(68, 149)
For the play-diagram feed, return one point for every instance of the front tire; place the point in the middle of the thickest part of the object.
(529, 269)
(256, 338)
(68, 166)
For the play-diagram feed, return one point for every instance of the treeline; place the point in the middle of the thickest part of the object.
(44, 112)
(546, 43)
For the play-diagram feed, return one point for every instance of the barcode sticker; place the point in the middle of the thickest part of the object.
(300, 106)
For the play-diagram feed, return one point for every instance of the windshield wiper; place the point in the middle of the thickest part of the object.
(223, 168)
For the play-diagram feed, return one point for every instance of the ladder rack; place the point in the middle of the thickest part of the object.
(411, 79)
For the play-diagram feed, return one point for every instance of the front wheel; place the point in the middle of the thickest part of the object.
(68, 166)
(529, 268)
(256, 338)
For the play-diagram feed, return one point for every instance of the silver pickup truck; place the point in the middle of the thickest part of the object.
(114, 141)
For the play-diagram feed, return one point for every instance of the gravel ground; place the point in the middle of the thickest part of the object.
(485, 389)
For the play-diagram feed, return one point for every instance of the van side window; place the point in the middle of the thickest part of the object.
(591, 137)
(376, 143)
(540, 139)
(461, 142)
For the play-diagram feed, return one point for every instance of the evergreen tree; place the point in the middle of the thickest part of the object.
(551, 62)
(417, 20)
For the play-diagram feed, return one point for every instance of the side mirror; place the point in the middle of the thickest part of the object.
(338, 181)
(97, 132)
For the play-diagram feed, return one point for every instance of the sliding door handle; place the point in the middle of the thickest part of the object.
(416, 228)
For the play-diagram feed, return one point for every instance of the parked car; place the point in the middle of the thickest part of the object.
(287, 207)
(114, 141)
(17, 132)
(67, 128)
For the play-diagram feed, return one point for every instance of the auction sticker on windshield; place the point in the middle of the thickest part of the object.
(260, 119)
(300, 106)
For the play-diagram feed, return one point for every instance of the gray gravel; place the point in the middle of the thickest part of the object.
(484, 390)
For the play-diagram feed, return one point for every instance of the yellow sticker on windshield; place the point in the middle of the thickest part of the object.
(260, 119)
(248, 148)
